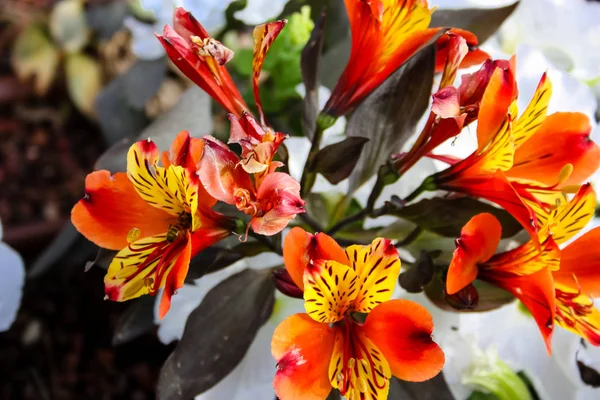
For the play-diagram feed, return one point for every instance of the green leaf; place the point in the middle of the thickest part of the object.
(388, 116)
(68, 25)
(433, 389)
(490, 297)
(137, 320)
(215, 258)
(309, 65)
(483, 22)
(336, 161)
(447, 217)
(34, 57)
(217, 334)
(84, 81)
(414, 278)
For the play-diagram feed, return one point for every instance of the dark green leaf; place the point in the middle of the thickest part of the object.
(217, 334)
(336, 161)
(103, 259)
(67, 244)
(415, 277)
(388, 116)
(483, 22)
(476, 395)
(115, 158)
(334, 395)
(446, 217)
(135, 321)
(433, 389)
(218, 257)
(309, 65)
(117, 119)
(192, 110)
(490, 297)
(106, 19)
(142, 81)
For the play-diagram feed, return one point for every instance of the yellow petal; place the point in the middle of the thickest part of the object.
(377, 267)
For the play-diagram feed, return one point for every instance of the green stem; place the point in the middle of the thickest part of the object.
(307, 181)
(426, 185)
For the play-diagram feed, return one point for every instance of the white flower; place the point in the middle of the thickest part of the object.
(12, 271)
(260, 11)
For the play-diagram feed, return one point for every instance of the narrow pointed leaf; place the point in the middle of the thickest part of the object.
(446, 217)
(309, 65)
(137, 320)
(433, 389)
(483, 22)
(388, 116)
(217, 334)
(336, 161)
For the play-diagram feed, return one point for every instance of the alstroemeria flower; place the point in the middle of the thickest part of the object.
(385, 34)
(271, 201)
(577, 284)
(202, 59)
(328, 348)
(158, 217)
(258, 145)
(452, 108)
(525, 271)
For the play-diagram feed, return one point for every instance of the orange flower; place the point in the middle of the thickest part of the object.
(328, 347)
(385, 34)
(258, 146)
(530, 274)
(202, 58)
(272, 200)
(158, 217)
(453, 108)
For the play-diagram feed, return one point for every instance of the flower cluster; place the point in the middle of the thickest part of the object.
(529, 170)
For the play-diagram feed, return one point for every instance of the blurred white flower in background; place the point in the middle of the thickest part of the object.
(12, 271)
(210, 13)
(567, 32)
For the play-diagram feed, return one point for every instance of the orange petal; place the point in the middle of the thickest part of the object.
(497, 189)
(562, 139)
(300, 248)
(377, 266)
(384, 35)
(497, 98)
(220, 173)
(534, 115)
(536, 291)
(527, 258)
(302, 348)
(581, 259)
(402, 330)
(329, 290)
(111, 208)
(175, 277)
(478, 241)
(457, 50)
(264, 36)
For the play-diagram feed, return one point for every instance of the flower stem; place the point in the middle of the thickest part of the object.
(307, 181)
(426, 185)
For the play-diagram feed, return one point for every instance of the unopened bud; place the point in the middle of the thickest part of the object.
(285, 284)
(465, 299)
